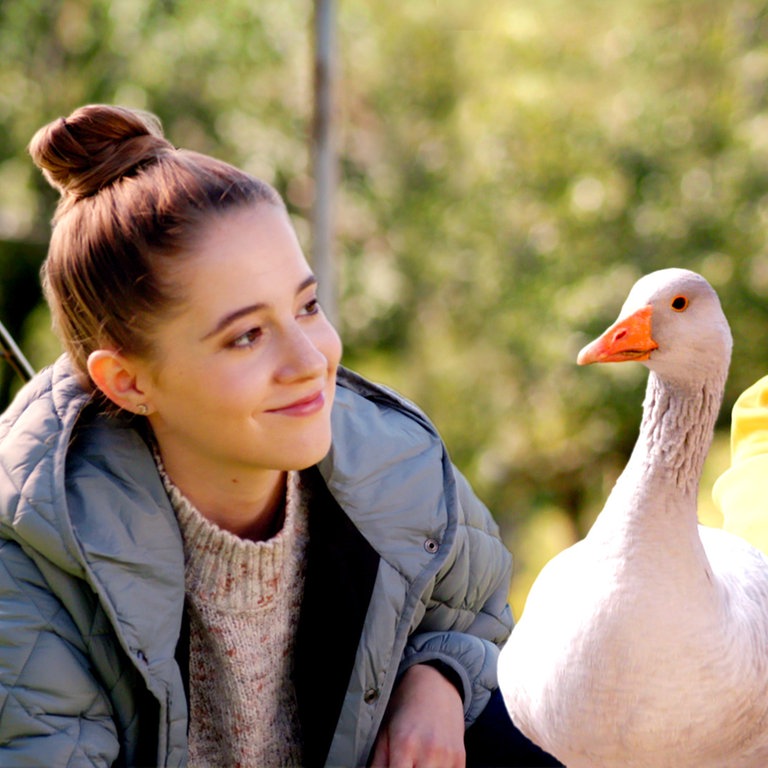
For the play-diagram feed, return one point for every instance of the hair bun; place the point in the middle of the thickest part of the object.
(95, 146)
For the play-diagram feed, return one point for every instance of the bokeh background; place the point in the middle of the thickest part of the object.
(507, 170)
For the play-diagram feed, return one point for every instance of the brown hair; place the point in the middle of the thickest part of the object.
(130, 202)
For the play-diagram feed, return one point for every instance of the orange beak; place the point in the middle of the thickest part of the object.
(628, 339)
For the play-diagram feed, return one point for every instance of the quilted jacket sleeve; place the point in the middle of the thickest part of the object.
(740, 491)
(467, 617)
(52, 710)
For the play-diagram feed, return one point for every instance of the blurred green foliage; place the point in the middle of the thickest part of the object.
(508, 169)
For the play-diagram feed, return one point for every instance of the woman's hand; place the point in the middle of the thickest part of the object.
(424, 724)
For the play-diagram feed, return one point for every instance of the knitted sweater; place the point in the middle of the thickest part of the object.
(243, 600)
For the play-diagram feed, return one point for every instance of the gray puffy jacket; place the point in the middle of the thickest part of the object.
(405, 566)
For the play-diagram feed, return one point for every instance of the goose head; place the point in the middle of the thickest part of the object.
(673, 323)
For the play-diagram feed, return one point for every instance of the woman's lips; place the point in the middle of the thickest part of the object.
(306, 406)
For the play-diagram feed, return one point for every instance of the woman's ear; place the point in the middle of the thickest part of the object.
(117, 378)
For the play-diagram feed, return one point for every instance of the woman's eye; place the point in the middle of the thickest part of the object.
(248, 339)
(312, 307)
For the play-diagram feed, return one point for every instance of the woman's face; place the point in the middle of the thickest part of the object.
(243, 375)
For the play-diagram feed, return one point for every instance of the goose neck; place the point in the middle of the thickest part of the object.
(677, 428)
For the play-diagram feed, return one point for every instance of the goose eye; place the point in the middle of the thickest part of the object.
(680, 303)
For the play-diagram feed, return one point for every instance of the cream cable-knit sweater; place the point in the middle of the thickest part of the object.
(244, 599)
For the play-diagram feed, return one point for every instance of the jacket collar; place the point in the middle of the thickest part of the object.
(389, 470)
(91, 502)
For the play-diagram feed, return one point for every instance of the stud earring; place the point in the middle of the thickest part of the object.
(142, 409)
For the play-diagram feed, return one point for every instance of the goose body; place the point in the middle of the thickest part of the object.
(645, 645)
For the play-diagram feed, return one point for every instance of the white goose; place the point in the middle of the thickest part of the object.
(645, 645)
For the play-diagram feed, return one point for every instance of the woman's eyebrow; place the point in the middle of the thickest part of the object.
(251, 308)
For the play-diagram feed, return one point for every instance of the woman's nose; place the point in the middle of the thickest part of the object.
(302, 358)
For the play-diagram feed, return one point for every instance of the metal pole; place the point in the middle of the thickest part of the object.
(14, 356)
(324, 157)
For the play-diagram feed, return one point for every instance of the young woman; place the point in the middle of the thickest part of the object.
(216, 544)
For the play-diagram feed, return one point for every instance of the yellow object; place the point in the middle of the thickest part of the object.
(741, 492)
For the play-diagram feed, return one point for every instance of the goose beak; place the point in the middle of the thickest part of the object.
(627, 339)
